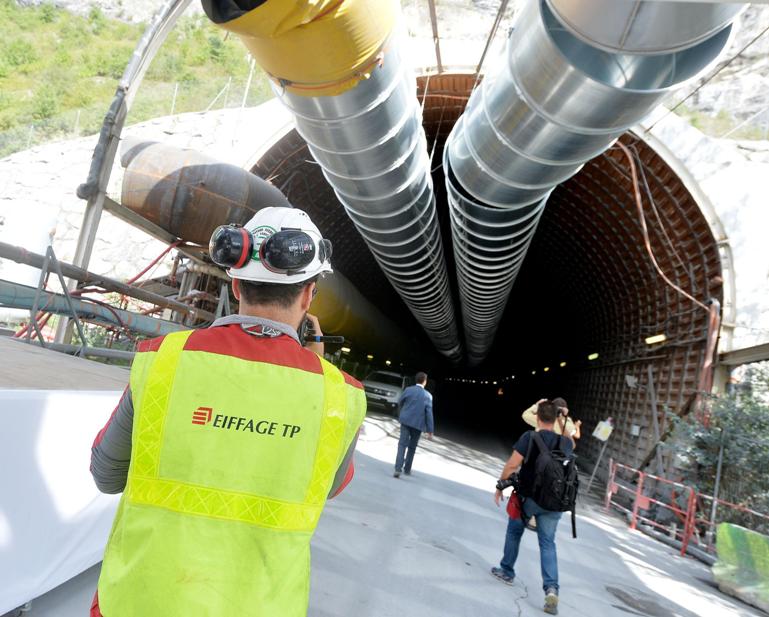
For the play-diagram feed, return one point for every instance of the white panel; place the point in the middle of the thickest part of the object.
(54, 523)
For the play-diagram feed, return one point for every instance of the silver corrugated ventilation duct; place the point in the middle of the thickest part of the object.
(338, 66)
(371, 147)
(568, 87)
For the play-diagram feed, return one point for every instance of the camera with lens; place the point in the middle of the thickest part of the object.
(511, 481)
(306, 331)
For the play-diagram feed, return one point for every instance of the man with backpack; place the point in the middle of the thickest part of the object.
(547, 484)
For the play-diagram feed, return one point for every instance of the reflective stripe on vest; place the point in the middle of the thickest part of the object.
(146, 487)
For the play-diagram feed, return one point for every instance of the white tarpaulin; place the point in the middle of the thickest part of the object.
(54, 523)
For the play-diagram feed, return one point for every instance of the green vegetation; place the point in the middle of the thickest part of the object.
(741, 419)
(59, 72)
(721, 124)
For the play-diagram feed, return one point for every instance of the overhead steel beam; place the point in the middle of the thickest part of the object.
(757, 353)
(97, 352)
(14, 295)
(22, 256)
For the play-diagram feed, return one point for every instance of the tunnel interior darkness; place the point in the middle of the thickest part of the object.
(588, 286)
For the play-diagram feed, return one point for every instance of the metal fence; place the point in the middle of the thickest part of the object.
(674, 510)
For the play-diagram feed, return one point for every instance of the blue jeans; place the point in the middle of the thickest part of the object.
(409, 439)
(547, 523)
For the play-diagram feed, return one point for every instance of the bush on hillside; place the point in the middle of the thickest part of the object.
(59, 72)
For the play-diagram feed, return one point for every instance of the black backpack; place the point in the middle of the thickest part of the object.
(556, 482)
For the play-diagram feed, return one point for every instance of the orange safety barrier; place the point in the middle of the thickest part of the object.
(634, 486)
(702, 518)
(693, 518)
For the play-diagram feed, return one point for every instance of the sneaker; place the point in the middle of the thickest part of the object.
(502, 575)
(408, 473)
(531, 523)
(397, 474)
(551, 601)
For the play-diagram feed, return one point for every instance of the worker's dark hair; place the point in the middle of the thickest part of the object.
(547, 412)
(421, 377)
(560, 403)
(272, 293)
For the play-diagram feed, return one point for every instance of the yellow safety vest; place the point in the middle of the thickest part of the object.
(231, 463)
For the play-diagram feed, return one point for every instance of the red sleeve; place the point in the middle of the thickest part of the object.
(100, 434)
(347, 478)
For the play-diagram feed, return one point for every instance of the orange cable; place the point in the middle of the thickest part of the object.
(645, 230)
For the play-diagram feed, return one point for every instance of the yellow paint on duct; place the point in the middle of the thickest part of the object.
(342, 310)
(317, 48)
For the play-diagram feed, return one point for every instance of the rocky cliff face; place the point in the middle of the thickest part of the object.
(738, 93)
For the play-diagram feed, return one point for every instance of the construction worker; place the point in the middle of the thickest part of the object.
(227, 443)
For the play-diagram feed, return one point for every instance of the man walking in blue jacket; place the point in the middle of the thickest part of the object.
(416, 415)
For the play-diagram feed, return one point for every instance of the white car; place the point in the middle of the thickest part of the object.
(383, 389)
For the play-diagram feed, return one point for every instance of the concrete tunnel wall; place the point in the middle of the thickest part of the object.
(587, 285)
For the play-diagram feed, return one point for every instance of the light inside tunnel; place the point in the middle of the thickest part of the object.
(587, 283)
(657, 338)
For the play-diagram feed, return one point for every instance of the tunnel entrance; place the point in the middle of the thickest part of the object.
(588, 286)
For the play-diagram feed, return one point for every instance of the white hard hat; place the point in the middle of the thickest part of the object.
(278, 245)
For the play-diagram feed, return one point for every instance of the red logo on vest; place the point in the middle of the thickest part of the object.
(202, 415)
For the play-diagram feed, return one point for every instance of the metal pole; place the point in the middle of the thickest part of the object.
(94, 189)
(50, 254)
(227, 92)
(691, 514)
(636, 501)
(14, 295)
(99, 352)
(655, 419)
(36, 302)
(717, 486)
(23, 256)
(223, 308)
(492, 32)
(248, 83)
(597, 465)
(173, 100)
(436, 37)
(610, 483)
(252, 66)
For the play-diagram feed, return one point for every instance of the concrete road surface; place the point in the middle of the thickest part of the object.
(422, 546)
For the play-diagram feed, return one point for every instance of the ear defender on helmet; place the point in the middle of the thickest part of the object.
(291, 251)
(288, 251)
(230, 246)
(278, 245)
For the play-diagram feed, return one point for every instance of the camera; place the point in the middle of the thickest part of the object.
(511, 481)
(306, 331)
